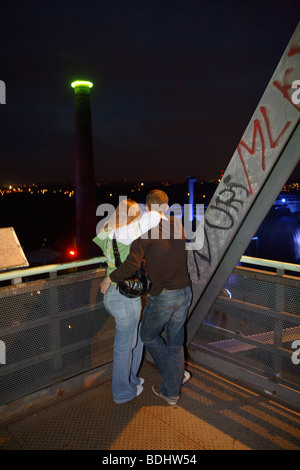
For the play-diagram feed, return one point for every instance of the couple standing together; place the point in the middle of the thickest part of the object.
(159, 240)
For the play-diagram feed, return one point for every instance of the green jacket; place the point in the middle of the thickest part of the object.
(106, 245)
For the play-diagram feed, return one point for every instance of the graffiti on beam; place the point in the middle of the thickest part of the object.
(273, 123)
(253, 150)
(228, 201)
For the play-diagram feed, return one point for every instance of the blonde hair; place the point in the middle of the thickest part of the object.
(126, 212)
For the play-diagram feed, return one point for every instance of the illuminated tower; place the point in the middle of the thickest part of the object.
(85, 176)
(191, 182)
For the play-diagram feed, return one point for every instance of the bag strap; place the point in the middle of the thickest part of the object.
(116, 252)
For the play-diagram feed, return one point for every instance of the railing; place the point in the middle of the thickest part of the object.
(292, 202)
(52, 328)
(16, 276)
(252, 333)
(56, 327)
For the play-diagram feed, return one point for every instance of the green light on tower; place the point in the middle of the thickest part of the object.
(84, 166)
(81, 83)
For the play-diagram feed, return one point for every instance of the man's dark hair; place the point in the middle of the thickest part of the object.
(157, 200)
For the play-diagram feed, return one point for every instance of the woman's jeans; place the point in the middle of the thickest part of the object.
(167, 311)
(128, 348)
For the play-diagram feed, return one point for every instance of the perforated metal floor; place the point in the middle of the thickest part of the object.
(212, 414)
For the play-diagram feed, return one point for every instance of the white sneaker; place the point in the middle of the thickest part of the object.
(170, 400)
(141, 381)
(139, 390)
(186, 376)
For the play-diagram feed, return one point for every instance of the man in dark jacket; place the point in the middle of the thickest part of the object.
(164, 252)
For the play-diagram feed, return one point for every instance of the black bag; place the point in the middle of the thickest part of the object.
(136, 285)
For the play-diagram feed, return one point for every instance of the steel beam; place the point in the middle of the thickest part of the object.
(264, 159)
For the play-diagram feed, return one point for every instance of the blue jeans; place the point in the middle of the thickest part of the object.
(128, 348)
(167, 311)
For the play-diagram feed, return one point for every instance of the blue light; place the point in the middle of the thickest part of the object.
(297, 244)
(229, 293)
(283, 200)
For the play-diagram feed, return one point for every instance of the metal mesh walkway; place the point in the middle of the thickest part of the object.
(212, 414)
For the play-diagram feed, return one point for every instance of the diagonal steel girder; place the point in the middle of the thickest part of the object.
(260, 166)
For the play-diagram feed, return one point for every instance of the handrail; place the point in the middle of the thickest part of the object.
(50, 268)
(280, 265)
(53, 268)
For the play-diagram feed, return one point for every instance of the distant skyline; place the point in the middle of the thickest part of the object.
(176, 83)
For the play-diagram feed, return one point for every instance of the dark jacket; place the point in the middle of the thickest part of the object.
(164, 252)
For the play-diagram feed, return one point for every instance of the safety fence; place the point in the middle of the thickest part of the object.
(252, 333)
(53, 326)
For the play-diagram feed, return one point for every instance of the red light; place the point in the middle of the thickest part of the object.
(72, 252)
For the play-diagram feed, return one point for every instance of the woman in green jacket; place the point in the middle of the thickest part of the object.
(125, 225)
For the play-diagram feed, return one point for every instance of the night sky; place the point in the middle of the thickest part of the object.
(175, 83)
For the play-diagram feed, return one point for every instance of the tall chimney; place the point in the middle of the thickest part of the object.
(85, 176)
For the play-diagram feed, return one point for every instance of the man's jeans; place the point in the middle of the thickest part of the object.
(167, 311)
(128, 348)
